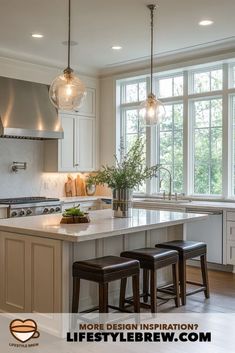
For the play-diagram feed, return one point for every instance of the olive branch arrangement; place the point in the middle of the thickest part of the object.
(128, 173)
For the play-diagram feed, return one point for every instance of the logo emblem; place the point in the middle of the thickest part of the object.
(23, 331)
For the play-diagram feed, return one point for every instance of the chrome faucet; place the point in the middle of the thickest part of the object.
(170, 180)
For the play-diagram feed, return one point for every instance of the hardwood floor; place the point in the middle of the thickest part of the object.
(222, 294)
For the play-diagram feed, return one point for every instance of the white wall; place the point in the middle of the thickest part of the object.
(29, 182)
(107, 120)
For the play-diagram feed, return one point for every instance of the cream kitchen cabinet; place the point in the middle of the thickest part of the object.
(89, 106)
(231, 238)
(77, 151)
(28, 266)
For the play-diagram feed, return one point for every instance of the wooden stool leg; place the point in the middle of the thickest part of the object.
(136, 293)
(175, 275)
(122, 293)
(103, 297)
(205, 280)
(182, 275)
(145, 285)
(153, 290)
(76, 292)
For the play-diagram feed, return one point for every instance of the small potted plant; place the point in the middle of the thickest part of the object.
(90, 186)
(128, 173)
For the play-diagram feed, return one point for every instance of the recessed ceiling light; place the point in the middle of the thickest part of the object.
(37, 35)
(116, 47)
(206, 23)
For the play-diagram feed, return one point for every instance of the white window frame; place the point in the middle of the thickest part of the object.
(188, 97)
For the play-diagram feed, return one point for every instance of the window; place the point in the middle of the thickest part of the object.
(233, 128)
(170, 147)
(207, 81)
(134, 92)
(192, 140)
(131, 125)
(232, 83)
(207, 146)
(170, 86)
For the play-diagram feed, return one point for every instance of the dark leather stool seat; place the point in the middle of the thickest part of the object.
(184, 247)
(189, 250)
(104, 270)
(152, 259)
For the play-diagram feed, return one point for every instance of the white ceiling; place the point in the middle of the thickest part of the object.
(99, 24)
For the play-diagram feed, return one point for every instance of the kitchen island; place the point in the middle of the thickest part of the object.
(36, 254)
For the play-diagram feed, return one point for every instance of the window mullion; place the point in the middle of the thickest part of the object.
(227, 136)
(187, 139)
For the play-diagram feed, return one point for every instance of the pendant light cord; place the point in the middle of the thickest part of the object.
(69, 33)
(152, 9)
(151, 82)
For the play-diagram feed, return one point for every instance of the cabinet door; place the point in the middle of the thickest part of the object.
(30, 274)
(15, 285)
(45, 259)
(89, 104)
(85, 144)
(67, 147)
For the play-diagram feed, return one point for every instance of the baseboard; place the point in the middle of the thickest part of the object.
(211, 266)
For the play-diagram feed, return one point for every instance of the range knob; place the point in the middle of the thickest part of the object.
(46, 210)
(22, 213)
(52, 210)
(13, 214)
(57, 209)
(29, 212)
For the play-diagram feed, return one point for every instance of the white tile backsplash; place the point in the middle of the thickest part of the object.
(30, 182)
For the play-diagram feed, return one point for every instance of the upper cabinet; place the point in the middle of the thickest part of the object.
(89, 106)
(77, 151)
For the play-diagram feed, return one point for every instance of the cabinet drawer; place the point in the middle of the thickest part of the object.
(231, 253)
(231, 231)
(231, 216)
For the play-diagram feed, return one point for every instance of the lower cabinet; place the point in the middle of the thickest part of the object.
(230, 241)
(30, 274)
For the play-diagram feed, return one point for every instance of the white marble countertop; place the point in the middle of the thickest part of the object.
(102, 224)
(210, 205)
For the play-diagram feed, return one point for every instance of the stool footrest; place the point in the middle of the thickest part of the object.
(195, 283)
(202, 289)
(109, 306)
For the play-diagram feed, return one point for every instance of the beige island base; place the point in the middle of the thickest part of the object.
(37, 253)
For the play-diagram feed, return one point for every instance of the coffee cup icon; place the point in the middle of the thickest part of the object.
(23, 331)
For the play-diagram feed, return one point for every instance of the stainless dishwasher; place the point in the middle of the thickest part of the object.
(209, 231)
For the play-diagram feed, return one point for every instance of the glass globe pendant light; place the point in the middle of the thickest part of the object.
(152, 110)
(67, 91)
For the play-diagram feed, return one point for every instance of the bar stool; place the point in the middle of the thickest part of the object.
(104, 270)
(151, 260)
(189, 250)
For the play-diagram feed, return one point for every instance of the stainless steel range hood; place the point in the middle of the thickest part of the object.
(26, 111)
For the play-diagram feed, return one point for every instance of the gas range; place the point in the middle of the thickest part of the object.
(31, 206)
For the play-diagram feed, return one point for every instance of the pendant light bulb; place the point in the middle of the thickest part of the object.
(152, 110)
(67, 91)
